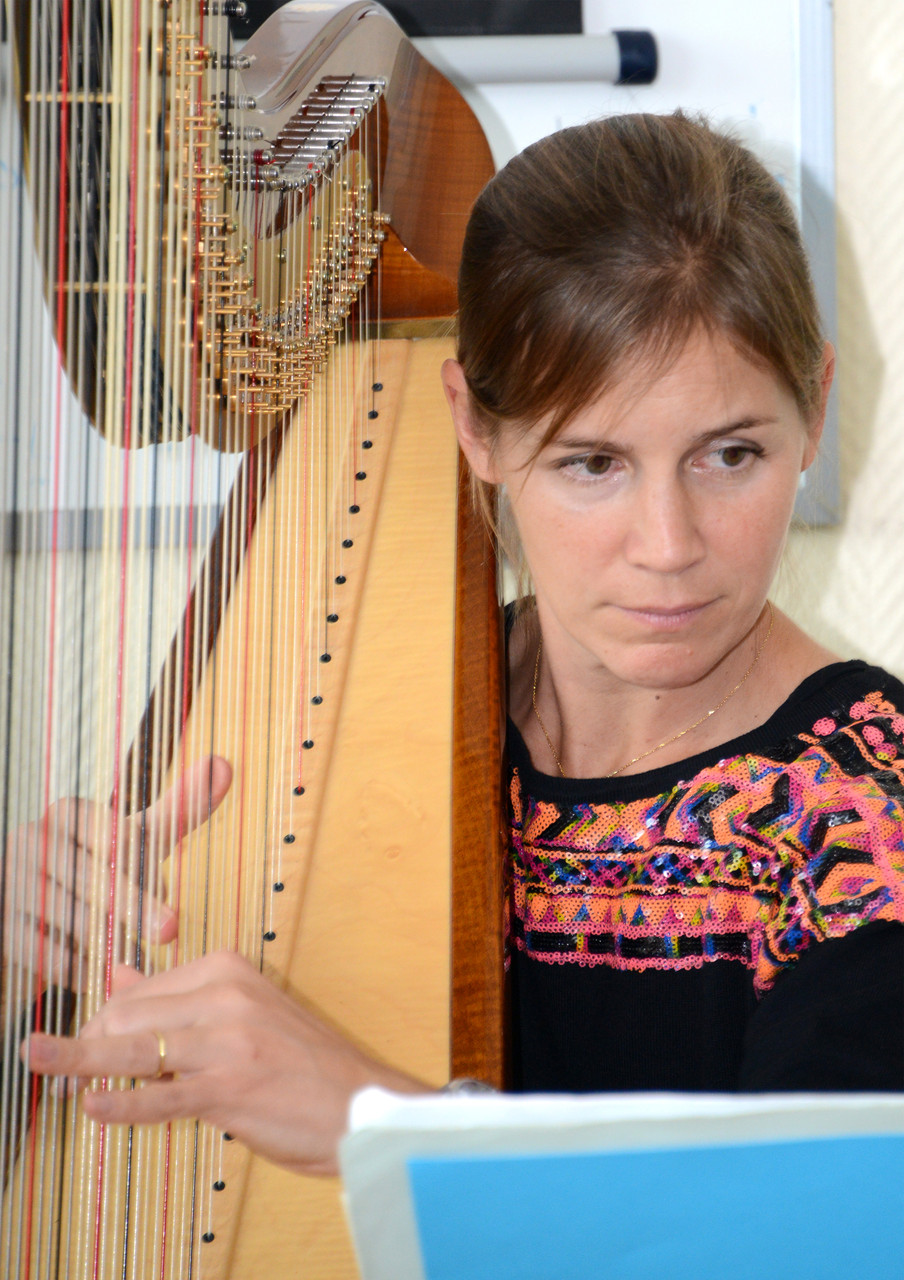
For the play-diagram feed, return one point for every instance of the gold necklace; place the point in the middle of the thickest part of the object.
(667, 742)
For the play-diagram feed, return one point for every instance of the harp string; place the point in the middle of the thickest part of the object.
(70, 317)
(43, 914)
(119, 423)
(18, 956)
(11, 890)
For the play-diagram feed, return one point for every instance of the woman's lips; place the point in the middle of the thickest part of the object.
(666, 617)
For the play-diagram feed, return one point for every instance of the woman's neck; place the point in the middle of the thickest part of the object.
(578, 719)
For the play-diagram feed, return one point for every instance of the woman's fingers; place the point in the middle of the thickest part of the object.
(160, 920)
(212, 996)
(123, 977)
(150, 836)
(237, 1052)
(223, 970)
(195, 794)
(82, 863)
(152, 1104)
(193, 797)
(84, 1059)
(141, 1055)
(57, 909)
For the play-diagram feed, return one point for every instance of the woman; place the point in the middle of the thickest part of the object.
(708, 840)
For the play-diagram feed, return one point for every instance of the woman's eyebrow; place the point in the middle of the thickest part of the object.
(589, 444)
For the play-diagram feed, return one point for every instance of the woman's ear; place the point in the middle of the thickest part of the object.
(474, 445)
(814, 431)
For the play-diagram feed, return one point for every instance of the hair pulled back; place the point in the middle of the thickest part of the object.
(609, 244)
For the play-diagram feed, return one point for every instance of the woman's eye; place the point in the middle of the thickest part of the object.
(597, 465)
(735, 455)
(587, 467)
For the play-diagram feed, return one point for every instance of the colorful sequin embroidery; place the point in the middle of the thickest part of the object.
(754, 859)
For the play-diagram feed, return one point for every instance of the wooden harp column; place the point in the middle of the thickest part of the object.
(206, 228)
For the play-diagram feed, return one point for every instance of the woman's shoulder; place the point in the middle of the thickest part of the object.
(838, 678)
(846, 693)
(856, 720)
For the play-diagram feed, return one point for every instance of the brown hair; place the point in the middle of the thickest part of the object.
(609, 244)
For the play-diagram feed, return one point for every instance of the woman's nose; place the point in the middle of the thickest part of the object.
(664, 534)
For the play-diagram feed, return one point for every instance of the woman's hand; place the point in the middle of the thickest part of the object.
(239, 1053)
(59, 869)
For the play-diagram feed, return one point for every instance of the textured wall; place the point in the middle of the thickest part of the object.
(843, 584)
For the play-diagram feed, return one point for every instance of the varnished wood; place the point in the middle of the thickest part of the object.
(479, 827)
(437, 161)
(410, 290)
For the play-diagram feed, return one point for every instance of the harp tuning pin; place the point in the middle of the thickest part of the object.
(235, 61)
(240, 102)
(211, 173)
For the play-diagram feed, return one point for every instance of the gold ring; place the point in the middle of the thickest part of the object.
(161, 1062)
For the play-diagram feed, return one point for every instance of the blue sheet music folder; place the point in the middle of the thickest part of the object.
(626, 1186)
(831, 1208)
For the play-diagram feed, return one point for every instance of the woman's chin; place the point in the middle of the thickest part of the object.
(664, 668)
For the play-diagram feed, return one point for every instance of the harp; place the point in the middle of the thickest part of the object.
(231, 526)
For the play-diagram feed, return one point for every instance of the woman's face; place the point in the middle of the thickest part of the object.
(654, 523)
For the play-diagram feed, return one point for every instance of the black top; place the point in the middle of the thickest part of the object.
(732, 921)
